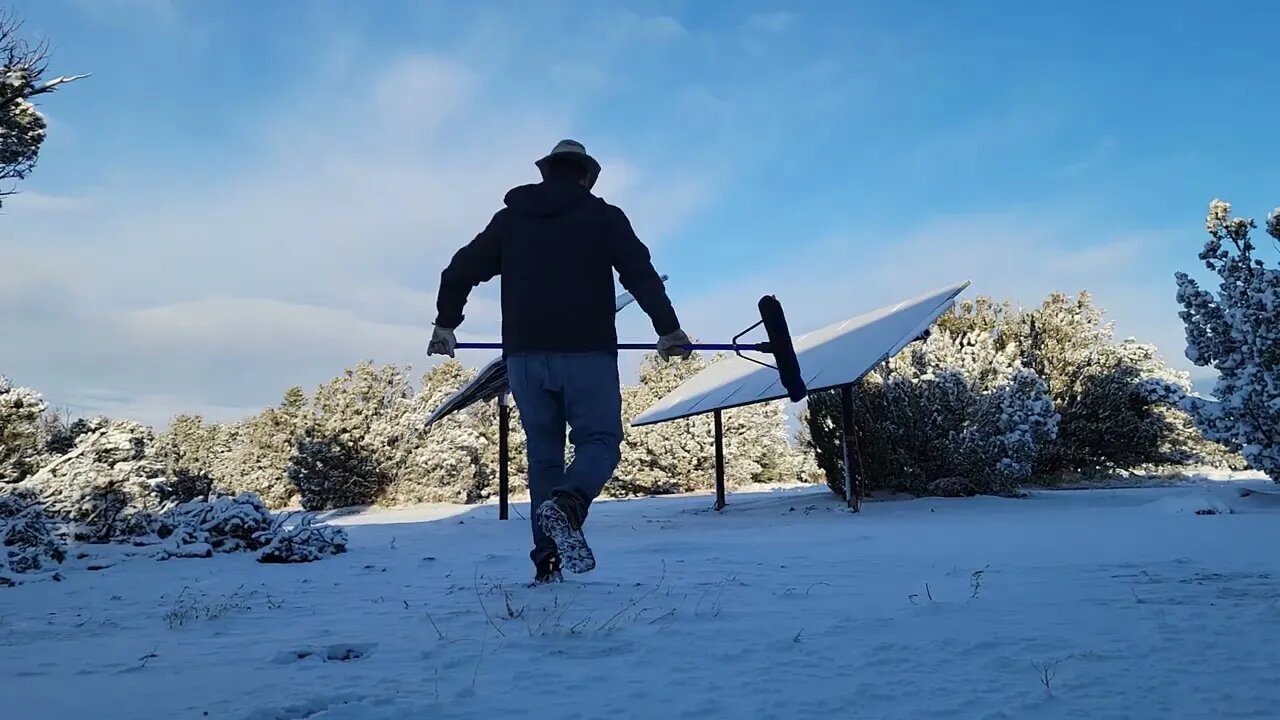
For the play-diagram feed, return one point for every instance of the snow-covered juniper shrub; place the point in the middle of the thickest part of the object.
(109, 475)
(1118, 401)
(194, 529)
(20, 442)
(61, 437)
(111, 488)
(954, 415)
(331, 473)
(952, 487)
(181, 485)
(297, 538)
(29, 542)
(187, 450)
(1015, 422)
(1237, 332)
(251, 455)
(996, 397)
(679, 456)
(243, 523)
(367, 426)
(221, 524)
(453, 460)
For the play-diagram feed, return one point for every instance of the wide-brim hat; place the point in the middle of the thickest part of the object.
(576, 151)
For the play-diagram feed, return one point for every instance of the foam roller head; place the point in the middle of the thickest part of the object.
(784, 352)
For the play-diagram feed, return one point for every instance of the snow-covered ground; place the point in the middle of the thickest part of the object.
(1111, 603)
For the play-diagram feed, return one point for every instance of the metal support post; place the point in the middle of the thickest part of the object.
(504, 430)
(852, 460)
(719, 426)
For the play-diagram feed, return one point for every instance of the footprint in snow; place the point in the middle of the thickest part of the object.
(342, 652)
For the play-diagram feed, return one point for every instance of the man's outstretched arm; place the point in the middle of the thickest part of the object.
(476, 262)
(634, 264)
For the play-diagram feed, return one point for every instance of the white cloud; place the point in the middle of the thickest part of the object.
(1017, 256)
(659, 27)
(123, 11)
(320, 243)
(776, 21)
(656, 205)
(214, 293)
(42, 202)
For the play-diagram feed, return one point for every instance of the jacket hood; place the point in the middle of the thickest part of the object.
(547, 199)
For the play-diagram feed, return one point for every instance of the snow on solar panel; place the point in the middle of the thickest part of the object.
(835, 355)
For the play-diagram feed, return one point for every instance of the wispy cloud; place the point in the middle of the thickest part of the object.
(972, 137)
(212, 267)
(1095, 156)
(653, 26)
(219, 292)
(1021, 256)
(46, 203)
(165, 11)
(776, 21)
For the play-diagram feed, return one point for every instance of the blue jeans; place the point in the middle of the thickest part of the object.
(582, 391)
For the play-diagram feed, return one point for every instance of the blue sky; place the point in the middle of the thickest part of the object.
(249, 195)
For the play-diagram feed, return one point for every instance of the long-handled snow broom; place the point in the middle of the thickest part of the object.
(778, 345)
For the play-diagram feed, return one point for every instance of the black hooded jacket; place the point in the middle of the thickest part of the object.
(556, 246)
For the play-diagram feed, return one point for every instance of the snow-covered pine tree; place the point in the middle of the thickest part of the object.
(187, 449)
(330, 472)
(1237, 332)
(20, 431)
(987, 417)
(1016, 421)
(352, 434)
(760, 447)
(679, 456)
(22, 126)
(1060, 339)
(253, 455)
(355, 406)
(484, 418)
(450, 461)
(1117, 401)
(669, 457)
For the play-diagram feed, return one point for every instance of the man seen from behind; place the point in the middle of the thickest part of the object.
(556, 246)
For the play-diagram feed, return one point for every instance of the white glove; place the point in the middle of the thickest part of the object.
(442, 342)
(674, 345)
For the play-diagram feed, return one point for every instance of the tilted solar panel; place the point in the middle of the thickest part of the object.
(839, 354)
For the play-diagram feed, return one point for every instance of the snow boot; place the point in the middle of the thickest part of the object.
(561, 519)
(546, 565)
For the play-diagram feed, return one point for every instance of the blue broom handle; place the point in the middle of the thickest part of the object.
(621, 346)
